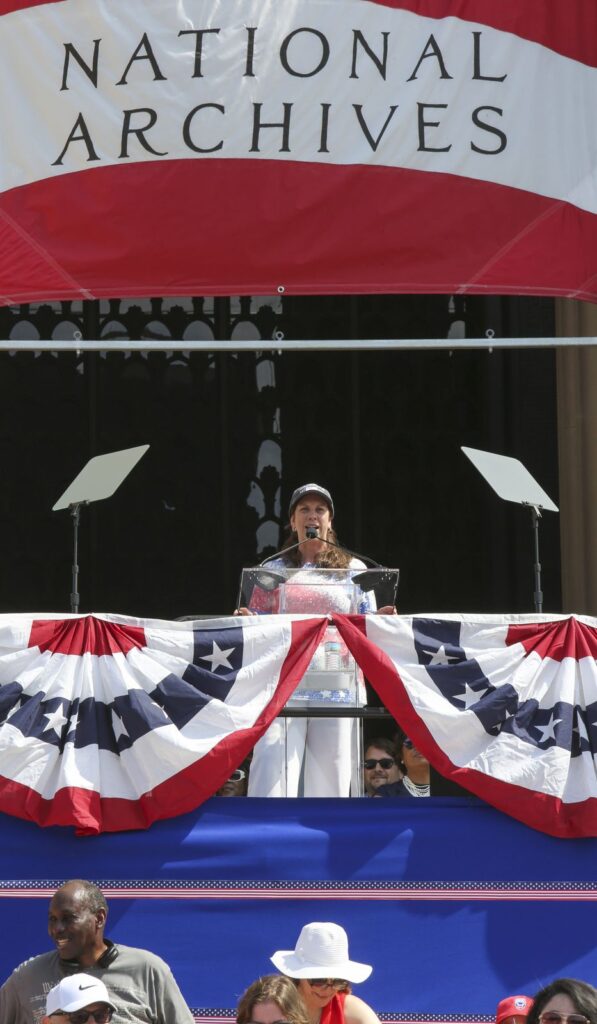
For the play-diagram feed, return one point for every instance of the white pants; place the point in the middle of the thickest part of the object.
(324, 743)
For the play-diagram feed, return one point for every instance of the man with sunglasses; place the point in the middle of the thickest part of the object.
(141, 985)
(380, 766)
(79, 999)
(236, 784)
(415, 771)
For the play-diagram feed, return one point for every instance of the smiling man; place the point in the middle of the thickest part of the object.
(141, 985)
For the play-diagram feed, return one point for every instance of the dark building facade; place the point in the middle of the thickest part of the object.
(232, 434)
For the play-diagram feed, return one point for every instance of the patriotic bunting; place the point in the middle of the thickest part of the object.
(504, 706)
(109, 722)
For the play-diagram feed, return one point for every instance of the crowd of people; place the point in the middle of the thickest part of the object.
(391, 767)
(89, 979)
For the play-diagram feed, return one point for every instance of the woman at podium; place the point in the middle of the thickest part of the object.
(319, 749)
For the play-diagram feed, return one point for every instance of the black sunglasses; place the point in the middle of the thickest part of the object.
(326, 982)
(102, 1016)
(383, 762)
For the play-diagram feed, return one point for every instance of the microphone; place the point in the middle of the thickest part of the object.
(355, 554)
(373, 575)
(312, 533)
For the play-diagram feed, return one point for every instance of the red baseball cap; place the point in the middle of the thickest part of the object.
(513, 1006)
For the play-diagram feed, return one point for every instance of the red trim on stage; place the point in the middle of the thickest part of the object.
(196, 227)
(567, 638)
(86, 635)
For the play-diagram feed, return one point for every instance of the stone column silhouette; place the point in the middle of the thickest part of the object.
(577, 446)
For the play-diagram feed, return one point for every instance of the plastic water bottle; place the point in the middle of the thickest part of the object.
(333, 656)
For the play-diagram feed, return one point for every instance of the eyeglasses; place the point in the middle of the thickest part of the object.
(383, 762)
(102, 1016)
(555, 1017)
(237, 776)
(408, 744)
(326, 982)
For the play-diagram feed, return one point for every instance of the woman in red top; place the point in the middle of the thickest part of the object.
(323, 974)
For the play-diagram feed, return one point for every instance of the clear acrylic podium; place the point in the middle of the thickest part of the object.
(332, 681)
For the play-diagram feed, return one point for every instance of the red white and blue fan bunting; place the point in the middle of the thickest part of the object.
(504, 706)
(110, 723)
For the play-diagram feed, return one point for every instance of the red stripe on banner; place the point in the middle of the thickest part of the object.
(568, 28)
(565, 27)
(8, 6)
(538, 810)
(90, 813)
(86, 635)
(309, 228)
(567, 638)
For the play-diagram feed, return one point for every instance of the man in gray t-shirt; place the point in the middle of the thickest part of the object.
(140, 984)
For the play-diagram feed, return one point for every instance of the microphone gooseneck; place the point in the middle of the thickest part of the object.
(312, 533)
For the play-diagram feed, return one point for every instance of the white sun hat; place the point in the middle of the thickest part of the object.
(75, 993)
(321, 952)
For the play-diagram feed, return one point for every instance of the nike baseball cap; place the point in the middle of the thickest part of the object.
(310, 489)
(75, 993)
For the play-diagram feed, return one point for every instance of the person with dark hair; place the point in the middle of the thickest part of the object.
(140, 984)
(564, 1001)
(414, 766)
(323, 974)
(380, 765)
(320, 748)
(236, 783)
(272, 999)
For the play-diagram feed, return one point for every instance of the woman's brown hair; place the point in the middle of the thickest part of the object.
(275, 988)
(330, 558)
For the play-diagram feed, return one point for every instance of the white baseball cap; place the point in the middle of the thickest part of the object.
(75, 993)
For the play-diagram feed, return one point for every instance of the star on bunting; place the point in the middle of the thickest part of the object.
(549, 729)
(440, 657)
(218, 657)
(118, 727)
(470, 696)
(56, 721)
